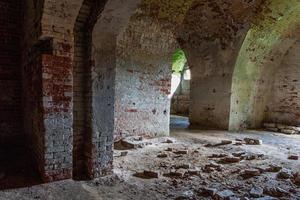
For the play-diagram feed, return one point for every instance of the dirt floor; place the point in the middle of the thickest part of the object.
(189, 165)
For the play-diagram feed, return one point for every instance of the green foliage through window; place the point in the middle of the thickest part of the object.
(179, 61)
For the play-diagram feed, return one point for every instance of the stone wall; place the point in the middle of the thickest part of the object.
(284, 105)
(143, 79)
(10, 71)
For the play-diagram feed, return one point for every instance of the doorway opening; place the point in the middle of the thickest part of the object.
(180, 91)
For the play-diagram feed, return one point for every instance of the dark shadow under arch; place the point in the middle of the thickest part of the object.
(82, 140)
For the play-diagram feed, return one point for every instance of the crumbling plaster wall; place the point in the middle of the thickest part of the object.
(263, 50)
(284, 104)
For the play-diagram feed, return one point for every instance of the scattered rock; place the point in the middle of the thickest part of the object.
(251, 141)
(223, 195)
(169, 149)
(249, 173)
(212, 166)
(147, 174)
(129, 143)
(238, 144)
(222, 155)
(276, 192)
(209, 145)
(229, 160)
(139, 138)
(193, 172)
(124, 153)
(175, 174)
(288, 131)
(223, 142)
(151, 174)
(284, 174)
(239, 154)
(181, 152)
(256, 192)
(296, 179)
(272, 129)
(188, 195)
(183, 166)
(207, 192)
(293, 157)
(252, 156)
(162, 155)
(168, 141)
(274, 168)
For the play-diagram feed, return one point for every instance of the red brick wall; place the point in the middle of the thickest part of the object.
(143, 79)
(10, 73)
(284, 104)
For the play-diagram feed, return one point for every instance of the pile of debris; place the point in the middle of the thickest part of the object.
(220, 170)
(281, 128)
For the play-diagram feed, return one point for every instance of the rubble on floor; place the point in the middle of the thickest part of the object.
(189, 169)
(281, 128)
(130, 143)
(218, 170)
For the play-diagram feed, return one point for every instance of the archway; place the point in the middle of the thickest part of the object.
(212, 34)
(94, 84)
(261, 54)
(180, 91)
(82, 136)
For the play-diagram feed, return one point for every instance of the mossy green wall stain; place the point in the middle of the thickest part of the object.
(265, 41)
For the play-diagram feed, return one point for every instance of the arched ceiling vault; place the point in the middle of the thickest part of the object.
(263, 49)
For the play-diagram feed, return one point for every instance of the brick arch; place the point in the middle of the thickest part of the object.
(212, 34)
(95, 39)
(261, 55)
(82, 136)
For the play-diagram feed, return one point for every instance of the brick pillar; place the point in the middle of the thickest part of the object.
(57, 117)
